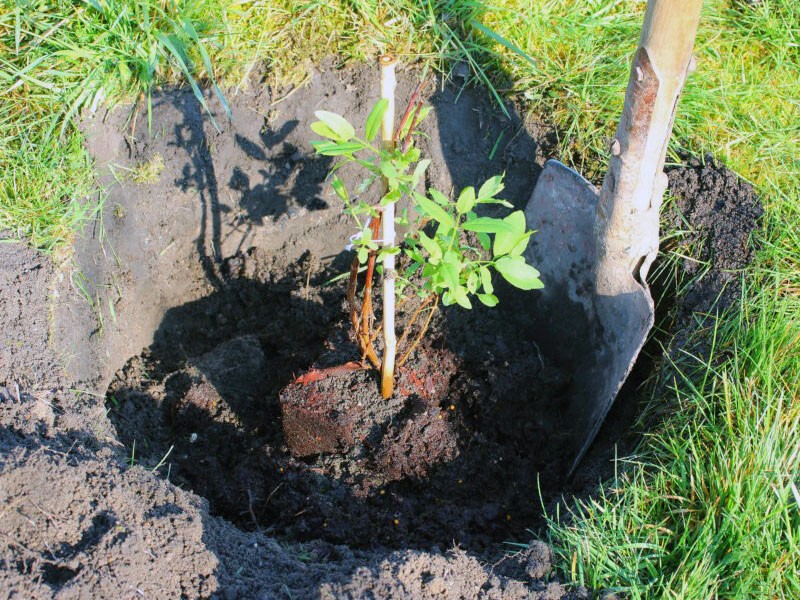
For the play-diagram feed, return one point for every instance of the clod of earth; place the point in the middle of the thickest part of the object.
(332, 413)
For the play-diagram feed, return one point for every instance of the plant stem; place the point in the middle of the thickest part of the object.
(364, 331)
(361, 322)
(413, 107)
(387, 138)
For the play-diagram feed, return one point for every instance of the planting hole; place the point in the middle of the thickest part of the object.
(235, 301)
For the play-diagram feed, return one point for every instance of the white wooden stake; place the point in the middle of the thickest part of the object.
(388, 83)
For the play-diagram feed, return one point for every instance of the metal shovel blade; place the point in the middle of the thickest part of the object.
(595, 337)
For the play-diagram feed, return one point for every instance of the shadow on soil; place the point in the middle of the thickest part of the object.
(202, 401)
(273, 178)
(204, 397)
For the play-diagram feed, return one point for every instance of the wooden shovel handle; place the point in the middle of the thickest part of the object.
(668, 33)
(627, 223)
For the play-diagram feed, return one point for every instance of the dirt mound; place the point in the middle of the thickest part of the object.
(721, 212)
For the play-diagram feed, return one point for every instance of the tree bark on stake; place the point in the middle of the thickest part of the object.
(387, 222)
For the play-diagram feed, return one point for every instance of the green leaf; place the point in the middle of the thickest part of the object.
(517, 221)
(338, 124)
(496, 201)
(473, 282)
(444, 233)
(412, 155)
(375, 117)
(488, 299)
(488, 225)
(461, 297)
(403, 218)
(412, 268)
(439, 197)
(431, 247)
(384, 251)
(491, 187)
(390, 197)
(449, 271)
(388, 170)
(518, 273)
(504, 242)
(336, 149)
(322, 129)
(484, 240)
(363, 254)
(338, 187)
(448, 298)
(434, 211)
(419, 171)
(520, 246)
(466, 200)
(486, 280)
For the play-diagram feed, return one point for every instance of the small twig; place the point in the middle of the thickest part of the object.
(308, 279)
(413, 319)
(250, 499)
(408, 139)
(351, 295)
(421, 333)
(362, 337)
(366, 303)
(379, 327)
(135, 117)
(48, 515)
(272, 493)
(292, 91)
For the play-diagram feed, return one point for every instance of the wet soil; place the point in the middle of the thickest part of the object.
(142, 447)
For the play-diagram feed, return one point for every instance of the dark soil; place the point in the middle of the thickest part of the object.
(143, 452)
(718, 213)
(457, 455)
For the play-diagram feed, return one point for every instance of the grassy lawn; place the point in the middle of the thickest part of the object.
(709, 507)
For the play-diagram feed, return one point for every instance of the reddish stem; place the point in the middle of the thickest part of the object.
(412, 104)
(318, 374)
(361, 323)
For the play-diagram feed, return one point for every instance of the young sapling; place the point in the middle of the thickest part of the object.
(443, 263)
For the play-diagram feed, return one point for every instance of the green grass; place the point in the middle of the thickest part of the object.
(44, 193)
(708, 507)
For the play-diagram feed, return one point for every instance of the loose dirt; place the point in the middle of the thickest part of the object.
(456, 456)
(143, 450)
(717, 213)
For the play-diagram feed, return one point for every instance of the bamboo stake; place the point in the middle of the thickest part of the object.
(388, 83)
